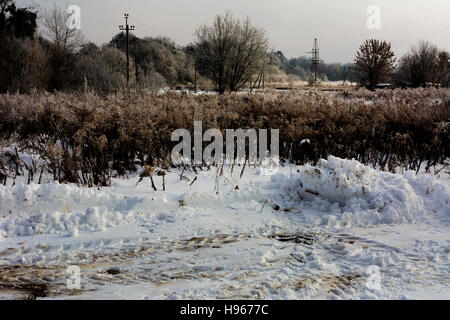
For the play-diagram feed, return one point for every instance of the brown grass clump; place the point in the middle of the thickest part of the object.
(87, 139)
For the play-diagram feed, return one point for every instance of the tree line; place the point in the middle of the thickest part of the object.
(423, 66)
(228, 55)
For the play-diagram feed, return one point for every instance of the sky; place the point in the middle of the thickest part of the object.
(291, 25)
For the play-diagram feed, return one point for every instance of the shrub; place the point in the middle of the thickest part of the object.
(87, 138)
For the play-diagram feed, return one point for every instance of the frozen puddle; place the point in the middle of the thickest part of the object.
(336, 231)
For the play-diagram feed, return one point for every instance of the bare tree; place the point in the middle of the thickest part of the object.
(375, 62)
(423, 64)
(100, 69)
(65, 44)
(57, 30)
(230, 51)
(443, 68)
(34, 71)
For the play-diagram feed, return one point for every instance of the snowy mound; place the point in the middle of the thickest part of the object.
(356, 194)
(53, 208)
(336, 193)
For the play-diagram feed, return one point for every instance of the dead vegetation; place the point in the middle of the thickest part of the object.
(33, 282)
(88, 139)
(334, 284)
(305, 238)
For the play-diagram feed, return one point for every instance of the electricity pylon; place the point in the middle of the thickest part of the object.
(315, 60)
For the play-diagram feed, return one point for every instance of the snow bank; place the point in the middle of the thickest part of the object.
(355, 194)
(434, 189)
(54, 208)
(336, 193)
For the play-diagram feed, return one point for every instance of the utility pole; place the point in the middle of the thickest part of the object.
(347, 76)
(127, 29)
(315, 60)
(264, 76)
(195, 73)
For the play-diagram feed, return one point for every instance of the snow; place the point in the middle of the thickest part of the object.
(305, 232)
(354, 194)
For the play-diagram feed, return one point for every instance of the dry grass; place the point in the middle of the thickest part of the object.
(304, 85)
(87, 138)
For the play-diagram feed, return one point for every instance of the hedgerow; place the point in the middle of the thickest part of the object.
(87, 138)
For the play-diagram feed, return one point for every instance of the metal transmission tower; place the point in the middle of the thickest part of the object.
(315, 60)
(127, 29)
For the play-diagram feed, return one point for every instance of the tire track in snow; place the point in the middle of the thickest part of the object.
(257, 265)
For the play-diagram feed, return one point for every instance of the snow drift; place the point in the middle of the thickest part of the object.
(337, 193)
(353, 194)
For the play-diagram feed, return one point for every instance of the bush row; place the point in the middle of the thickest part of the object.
(87, 139)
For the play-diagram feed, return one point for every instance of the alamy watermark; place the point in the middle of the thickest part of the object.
(374, 17)
(74, 17)
(235, 147)
(373, 278)
(74, 280)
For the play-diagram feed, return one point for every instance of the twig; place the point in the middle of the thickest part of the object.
(243, 168)
(444, 166)
(264, 204)
(153, 183)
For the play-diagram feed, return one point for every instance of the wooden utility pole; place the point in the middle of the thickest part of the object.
(195, 73)
(264, 75)
(127, 29)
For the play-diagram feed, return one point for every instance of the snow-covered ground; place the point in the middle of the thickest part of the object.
(338, 230)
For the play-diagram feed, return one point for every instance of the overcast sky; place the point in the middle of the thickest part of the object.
(291, 25)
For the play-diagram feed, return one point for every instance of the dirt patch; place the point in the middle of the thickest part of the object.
(332, 283)
(113, 271)
(30, 291)
(37, 281)
(303, 238)
(345, 238)
(208, 242)
(33, 282)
